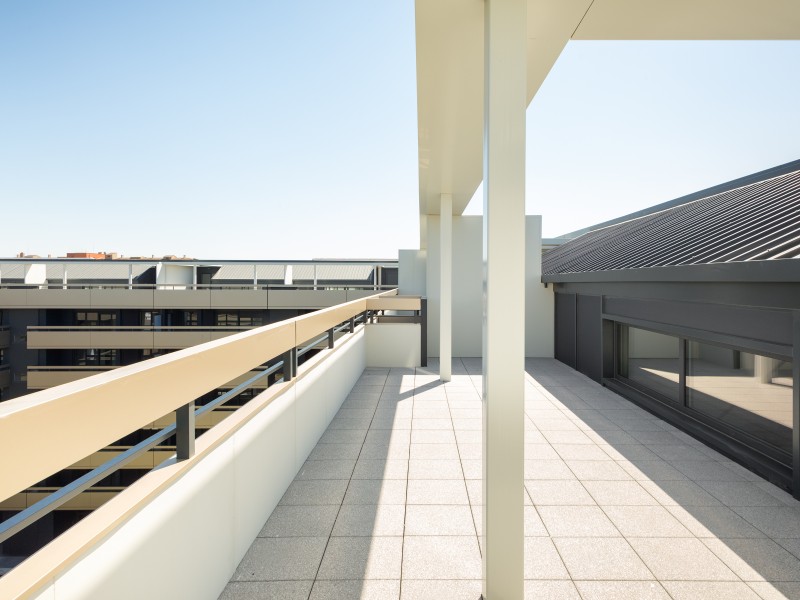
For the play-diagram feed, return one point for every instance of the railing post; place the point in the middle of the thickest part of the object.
(330, 338)
(423, 335)
(185, 431)
(352, 324)
(289, 369)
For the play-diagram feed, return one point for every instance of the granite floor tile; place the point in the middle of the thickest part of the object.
(362, 558)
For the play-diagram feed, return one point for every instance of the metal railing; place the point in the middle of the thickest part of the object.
(317, 287)
(32, 427)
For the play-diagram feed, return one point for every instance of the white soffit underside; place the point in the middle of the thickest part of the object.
(450, 64)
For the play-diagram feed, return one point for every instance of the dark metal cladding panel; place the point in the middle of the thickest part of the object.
(773, 326)
(754, 222)
(589, 323)
(565, 329)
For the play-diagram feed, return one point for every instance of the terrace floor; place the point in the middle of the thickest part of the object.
(618, 504)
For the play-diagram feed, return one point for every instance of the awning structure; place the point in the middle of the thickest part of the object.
(450, 59)
(479, 64)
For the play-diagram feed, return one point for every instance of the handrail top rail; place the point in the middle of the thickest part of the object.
(126, 398)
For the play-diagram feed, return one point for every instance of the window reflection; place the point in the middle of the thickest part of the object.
(750, 392)
(650, 359)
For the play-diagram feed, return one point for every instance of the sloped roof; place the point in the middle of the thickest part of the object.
(754, 222)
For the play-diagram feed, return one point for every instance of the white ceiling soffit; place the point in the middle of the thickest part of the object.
(450, 64)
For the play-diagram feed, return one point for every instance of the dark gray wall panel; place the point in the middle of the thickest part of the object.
(565, 329)
(589, 328)
(769, 325)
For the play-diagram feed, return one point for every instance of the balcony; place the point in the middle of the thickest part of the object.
(617, 502)
(358, 480)
(5, 336)
(166, 338)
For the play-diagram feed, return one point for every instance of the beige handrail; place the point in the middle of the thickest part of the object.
(50, 430)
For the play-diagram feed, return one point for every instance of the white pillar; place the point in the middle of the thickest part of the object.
(255, 277)
(130, 276)
(505, 95)
(315, 277)
(64, 280)
(445, 287)
(194, 277)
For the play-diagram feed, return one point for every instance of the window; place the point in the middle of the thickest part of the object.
(749, 392)
(95, 357)
(649, 359)
(95, 318)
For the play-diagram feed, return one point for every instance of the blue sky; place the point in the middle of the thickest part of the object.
(288, 130)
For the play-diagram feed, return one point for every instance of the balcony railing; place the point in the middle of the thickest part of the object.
(48, 431)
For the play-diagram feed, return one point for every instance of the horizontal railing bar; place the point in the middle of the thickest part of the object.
(311, 346)
(320, 286)
(141, 328)
(46, 505)
(237, 390)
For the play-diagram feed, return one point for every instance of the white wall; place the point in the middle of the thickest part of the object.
(411, 276)
(393, 345)
(188, 541)
(468, 287)
(174, 275)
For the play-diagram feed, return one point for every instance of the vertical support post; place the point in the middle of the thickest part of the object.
(445, 287)
(194, 277)
(184, 431)
(64, 276)
(505, 100)
(352, 324)
(330, 338)
(289, 365)
(423, 331)
(315, 277)
(682, 366)
(255, 276)
(130, 276)
(796, 404)
(380, 276)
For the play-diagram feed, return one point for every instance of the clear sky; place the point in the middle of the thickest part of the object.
(269, 130)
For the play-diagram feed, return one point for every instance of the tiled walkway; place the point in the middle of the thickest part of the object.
(618, 503)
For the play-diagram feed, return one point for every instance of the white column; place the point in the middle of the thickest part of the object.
(446, 287)
(505, 98)
(130, 276)
(315, 277)
(255, 277)
(64, 280)
(194, 277)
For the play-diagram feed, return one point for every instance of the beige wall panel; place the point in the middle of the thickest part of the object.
(122, 298)
(239, 298)
(40, 380)
(182, 298)
(13, 298)
(358, 294)
(306, 298)
(58, 298)
(179, 339)
(60, 339)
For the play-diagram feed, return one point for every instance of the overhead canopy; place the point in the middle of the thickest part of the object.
(450, 64)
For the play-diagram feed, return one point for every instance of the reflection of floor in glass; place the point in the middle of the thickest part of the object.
(732, 396)
(772, 401)
(657, 374)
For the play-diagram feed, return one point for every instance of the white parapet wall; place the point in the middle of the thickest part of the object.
(393, 345)
(188, 539)
(419, 275)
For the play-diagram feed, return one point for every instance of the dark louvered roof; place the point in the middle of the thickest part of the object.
(754, 222)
